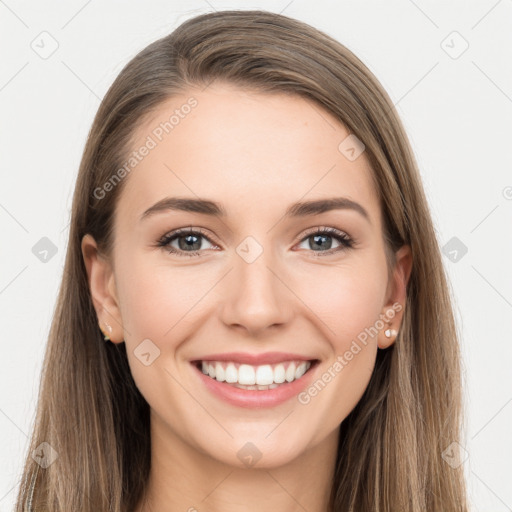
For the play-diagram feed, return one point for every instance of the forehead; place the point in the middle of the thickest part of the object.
(253, 152)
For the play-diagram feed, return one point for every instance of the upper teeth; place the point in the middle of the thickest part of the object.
(246, 374)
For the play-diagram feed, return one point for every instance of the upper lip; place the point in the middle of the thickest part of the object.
(255, 359)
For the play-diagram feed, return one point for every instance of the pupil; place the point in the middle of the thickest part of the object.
(189, 242)
(318, 238)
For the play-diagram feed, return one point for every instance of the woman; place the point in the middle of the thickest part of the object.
(254, 313)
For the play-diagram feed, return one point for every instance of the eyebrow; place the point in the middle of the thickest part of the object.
(299, 209)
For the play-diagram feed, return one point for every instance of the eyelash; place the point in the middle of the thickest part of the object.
(345, 241)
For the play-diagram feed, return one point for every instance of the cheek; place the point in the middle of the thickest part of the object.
(347, 303)
(153, 295)
(346, 299)
(156, 304)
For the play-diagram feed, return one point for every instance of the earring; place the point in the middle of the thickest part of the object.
(106, 336)
(390, 332)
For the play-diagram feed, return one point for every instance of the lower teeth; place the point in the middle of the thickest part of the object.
(254, 387)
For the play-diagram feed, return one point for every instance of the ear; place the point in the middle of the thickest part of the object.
(392, 312)
(100, 277)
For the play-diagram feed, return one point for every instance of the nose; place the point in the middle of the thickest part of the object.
(256, 296)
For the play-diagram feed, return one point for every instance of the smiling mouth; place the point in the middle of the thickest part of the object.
(251, 377)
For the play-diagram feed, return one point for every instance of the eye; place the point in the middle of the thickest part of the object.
(321, 238)
(188, 241)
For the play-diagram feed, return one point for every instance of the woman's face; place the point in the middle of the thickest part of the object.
(252, 279)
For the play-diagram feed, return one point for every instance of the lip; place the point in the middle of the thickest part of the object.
(255, 399)
(254, 359)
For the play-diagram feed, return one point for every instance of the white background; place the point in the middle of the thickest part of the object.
(457, 112)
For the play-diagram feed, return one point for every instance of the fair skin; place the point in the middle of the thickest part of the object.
(255, 154)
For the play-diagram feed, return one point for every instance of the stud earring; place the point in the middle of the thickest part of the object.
(390, 333)
(107, 336)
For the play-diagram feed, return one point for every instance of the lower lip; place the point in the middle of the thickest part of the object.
(253, 398)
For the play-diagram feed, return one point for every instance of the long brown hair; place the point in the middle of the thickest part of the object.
(90, 411)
